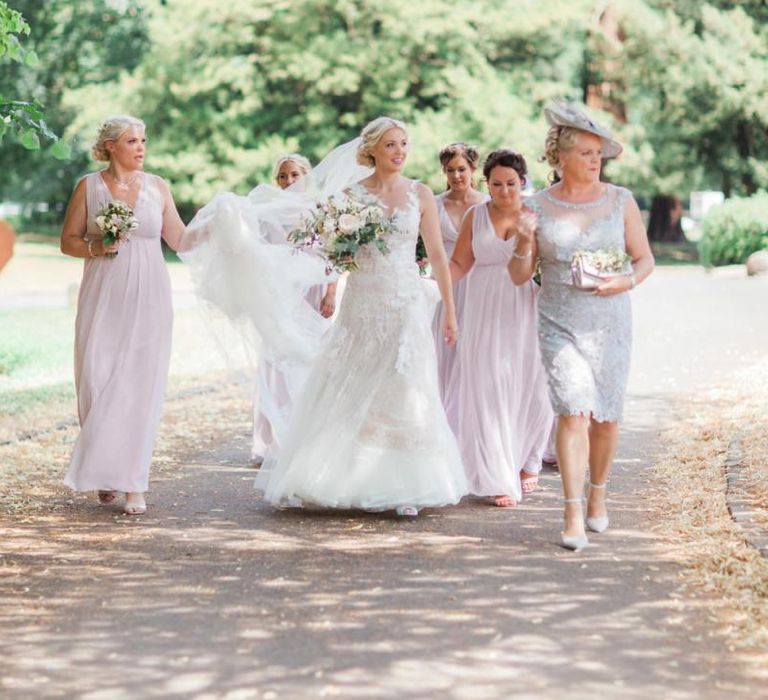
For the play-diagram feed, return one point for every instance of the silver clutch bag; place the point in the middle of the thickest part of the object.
(591, 269)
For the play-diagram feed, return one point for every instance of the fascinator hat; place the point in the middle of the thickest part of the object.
(567, 114)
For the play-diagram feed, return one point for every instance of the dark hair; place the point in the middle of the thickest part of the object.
(459, 148)
(505, 158)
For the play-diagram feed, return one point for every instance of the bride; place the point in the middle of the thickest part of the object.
(367, 429)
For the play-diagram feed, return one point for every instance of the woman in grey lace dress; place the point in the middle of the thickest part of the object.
(585, 337)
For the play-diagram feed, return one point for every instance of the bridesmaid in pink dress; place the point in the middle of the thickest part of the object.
(271, 394)
(459, 162)
(505, 415)
(124, 318)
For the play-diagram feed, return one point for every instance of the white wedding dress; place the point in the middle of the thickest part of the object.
(367, 428)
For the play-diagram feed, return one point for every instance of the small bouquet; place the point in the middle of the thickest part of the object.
(115, 221)
(339, 227)
(425, 269)
(590, 269)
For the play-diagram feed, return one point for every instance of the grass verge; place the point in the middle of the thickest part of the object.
(691, 507)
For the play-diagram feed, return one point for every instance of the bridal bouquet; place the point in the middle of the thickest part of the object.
(339, 227)
(115, 221)
(589, 269)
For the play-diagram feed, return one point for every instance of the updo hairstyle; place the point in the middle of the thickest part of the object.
(111, 130)
(558, 139)
(506, 158)
(459, 148)
(371, 135)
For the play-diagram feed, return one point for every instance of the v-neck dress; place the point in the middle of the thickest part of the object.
(122, 349)
(504, 413)
(448, 367)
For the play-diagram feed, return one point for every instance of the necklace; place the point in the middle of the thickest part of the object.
(123, 184)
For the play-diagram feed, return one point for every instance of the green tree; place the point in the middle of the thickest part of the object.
(226, 88)
(23, 119)
(90, 42)
(694, 78)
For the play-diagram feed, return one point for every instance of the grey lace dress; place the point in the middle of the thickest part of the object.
(585, 340)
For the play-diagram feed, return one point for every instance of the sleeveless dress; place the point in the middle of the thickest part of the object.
(447, 357)
(369, 430)
(585, 340)
(122, 349)
(504, 416)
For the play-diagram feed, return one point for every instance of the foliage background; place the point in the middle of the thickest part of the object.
(226, 87)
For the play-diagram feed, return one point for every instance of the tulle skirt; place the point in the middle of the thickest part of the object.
(369, 430)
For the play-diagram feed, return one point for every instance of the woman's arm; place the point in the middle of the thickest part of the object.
(173, 227)
(73, 231)
(433, 242)
(638, 248)
(463, 258)
(522, 262)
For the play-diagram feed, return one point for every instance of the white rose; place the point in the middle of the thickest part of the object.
(372, 214)
(349, 223)
(326, 228)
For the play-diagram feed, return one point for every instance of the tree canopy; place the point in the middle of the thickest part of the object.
(226, 87)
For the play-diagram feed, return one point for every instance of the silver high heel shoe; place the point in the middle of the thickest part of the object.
(574, 542)
(599, 523)
(407, 511)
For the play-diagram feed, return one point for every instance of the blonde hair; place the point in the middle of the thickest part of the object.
(371, 135)
(559, 139)
(304, 165)
(111, 130)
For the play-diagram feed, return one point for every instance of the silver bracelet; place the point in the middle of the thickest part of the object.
(89, 243)
(633, 280)
(516, 256)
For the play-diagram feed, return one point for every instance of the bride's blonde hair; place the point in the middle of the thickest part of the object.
(111, 130)
(371, 135)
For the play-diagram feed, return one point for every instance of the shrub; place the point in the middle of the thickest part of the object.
(10, 359)
(735, 230)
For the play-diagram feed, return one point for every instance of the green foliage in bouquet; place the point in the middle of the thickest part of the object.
(735, 230)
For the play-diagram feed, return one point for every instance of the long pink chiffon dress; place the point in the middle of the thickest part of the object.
(505, 415)
(448, 357)
(122, 349)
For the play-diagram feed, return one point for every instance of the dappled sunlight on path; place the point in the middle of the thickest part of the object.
(214, 592)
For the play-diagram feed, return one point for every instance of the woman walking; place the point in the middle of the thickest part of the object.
(124, 318)
(585, 335)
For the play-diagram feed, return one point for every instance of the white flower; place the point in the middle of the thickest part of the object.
(349, 223)
(327, 228)
(372, 214)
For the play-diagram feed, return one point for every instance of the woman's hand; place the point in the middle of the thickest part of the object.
(525, 229)
(615, 285)
(450, 330)
(328, 302)
(522, 261)
(99, 248)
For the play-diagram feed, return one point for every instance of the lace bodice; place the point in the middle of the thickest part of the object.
(584, 339)
(405, 219)
(565, 228)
